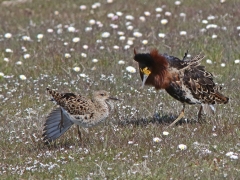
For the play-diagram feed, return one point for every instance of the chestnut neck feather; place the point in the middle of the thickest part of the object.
(160, 78)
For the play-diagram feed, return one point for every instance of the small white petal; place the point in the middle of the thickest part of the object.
(177, 3)
(8, 50)
(40, 36)
(157, 139)
(237, 61)
(182, 147)
(223, 64)
(26, 38)
(209, 61)
(147, 13)
(214, 36)
(142, 18)
(122, 38)
(83, 7)
(145, 42)
(165, 133)
(158, 9)
(204, 21)
(105, 34)
(119, 13)
(211, 26)
(131, 69)
(50, 30)
(76, 39)
(121, 62)
(161, 35)
(183, 33)
(8, 35)
(1, 74)
(129, 17)
(71, 29)
(168, 13)
(130, 142)
(137, 34)
(164, 21)
(85, 46)
(92, 21)
(19, 62)
(26, 56)
(83, 55)
(22, 77)
(95, 60)
(6, 59)
(77, 69)
(67, 55)
(82, 75)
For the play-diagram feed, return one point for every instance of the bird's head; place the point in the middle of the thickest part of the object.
(152, 67)
(103, 95)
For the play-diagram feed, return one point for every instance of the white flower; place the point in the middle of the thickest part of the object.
(101, 47)
(26, 38)
(19, 63)
(211, 26)
(177, 3)
(237, 61)
(92, 21)
(214, 36)
(145, 42)
(22, 77)
(129, 17)
(82, 75)
(130, 142)
(209, 61)
(130, 42)
(83, 55)
(142, 18)
(65, 43)
(232, 155)
(161, 35)
(229, 153)
(95, 60)
(183, 33)
(40, 36)
(122, 38)
(223, 64)
(26, 56)
(120, 33)
(168, 13)
(83, 7)
(204, 21)
(76, 39)
(6, 59)
(164, 21)
(131, 69)
(211, 17)
(121, 62)
(126, 47)
(222, 1)
(157, 140)
(119, 13)
(67, 55)
(1, 74)
(182, 147)
(8, 35)
(71, 29)
(238, 28)
(130, 28)
(85, 46)
(115, 47)
(77, 69)
(105, 34)
(158, 9)
(50, 30)
(110, 15)
(109, 1)
(165, 133)
(147, 13)
(87, 29)
(8, 50)
(182, 15)
(137, 34)
(114, 26)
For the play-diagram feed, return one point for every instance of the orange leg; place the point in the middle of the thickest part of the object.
(181, 115)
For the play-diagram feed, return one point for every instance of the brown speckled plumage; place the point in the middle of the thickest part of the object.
(75, 109)
(185, 80)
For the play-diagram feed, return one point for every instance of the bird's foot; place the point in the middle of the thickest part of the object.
(179, 117)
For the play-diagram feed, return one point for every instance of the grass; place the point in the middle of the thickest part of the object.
(123, 146)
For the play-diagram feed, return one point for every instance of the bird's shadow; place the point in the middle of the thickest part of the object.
(157, 118)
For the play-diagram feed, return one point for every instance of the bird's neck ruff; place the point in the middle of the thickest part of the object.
(160, 77)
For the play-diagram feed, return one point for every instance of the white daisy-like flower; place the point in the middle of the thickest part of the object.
(222, 1)
(40, 36)
(165, 133)
(209, 61)
(119, 13)
(65, 43)
(223, 64)
(1, 74)
(168, 13)
(182, 147)
(109, 1)
(129, 17)
(77, 69)
(147, 13)
(142, 18)
(126, 47)
(26, 38)
(177, 3)
(26, 56)
(158, 9)
(237, 61)
(22, 77)
(232, 155)
(82, 75)
(110, 15)
(182, 15)
(211, 26)
(85, 46)
(130, 28)
(67, 55)
(120, 33)
(204, 21)
(83, 55)
(121, 62)
(76, 39)
(83, 7)
(71, 29)
(19, 63)
(101, 47)
(161, 35)
(183, 33)
(238, 28)
(130, 142)
(92, 21)
(137, 34)
(164, 21)
(211, 17)
(203, 30)
(105, 34)
(214, 36)
(95, 60)
(50, 30)
(156, 139)
(87, 29)
(8, 35)
(6, 59)
(115, 47)
(145, 42)
(122, 38)
(131, 69)
(130, 42)
(8, 50)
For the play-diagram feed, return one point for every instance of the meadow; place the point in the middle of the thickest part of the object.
(85, 45)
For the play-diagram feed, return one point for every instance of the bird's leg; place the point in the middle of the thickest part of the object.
(181, 115)
(79, 134)
(200, 113)
(185, 55)
(60, 125)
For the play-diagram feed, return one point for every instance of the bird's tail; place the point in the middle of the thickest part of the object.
(208, 109)
(57, 123)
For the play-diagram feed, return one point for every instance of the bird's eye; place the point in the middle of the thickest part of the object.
(102, 94)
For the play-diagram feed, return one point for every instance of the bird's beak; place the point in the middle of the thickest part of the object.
(146, 72)
(113, 98)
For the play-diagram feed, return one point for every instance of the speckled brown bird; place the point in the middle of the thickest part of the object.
(185, 80)
(76, 109)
